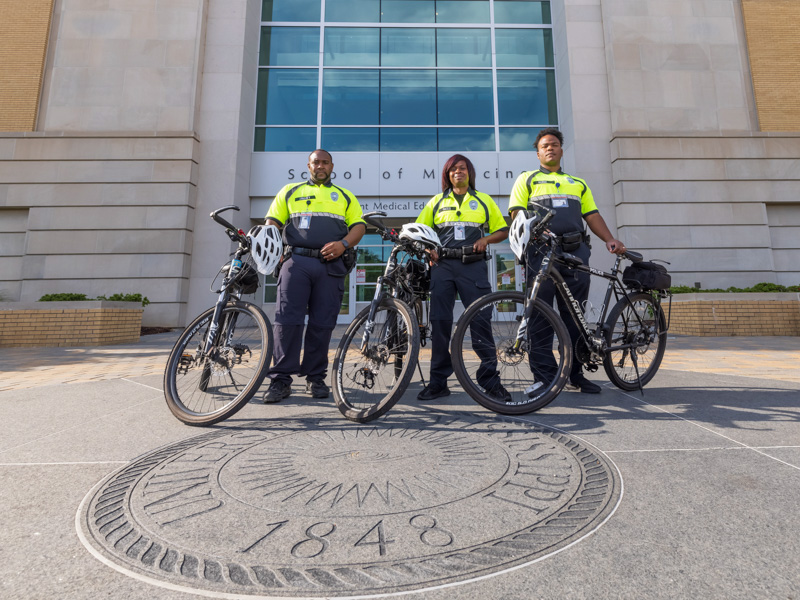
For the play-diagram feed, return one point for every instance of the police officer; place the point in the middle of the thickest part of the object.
(319, 221)
(459, 215)
(573, 203)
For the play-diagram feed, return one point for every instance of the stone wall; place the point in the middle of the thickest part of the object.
(69, 323)
(735, 314)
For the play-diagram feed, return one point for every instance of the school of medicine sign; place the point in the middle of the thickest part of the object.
(398, 183)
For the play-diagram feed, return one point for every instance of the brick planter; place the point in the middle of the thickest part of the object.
(92, 323)
(736, 314)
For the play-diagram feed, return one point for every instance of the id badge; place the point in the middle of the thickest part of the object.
(305, 222)
(559, 202)
(459, 231)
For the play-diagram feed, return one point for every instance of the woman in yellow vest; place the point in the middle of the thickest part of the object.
(459, 215)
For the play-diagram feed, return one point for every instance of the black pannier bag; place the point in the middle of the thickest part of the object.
(647, 276)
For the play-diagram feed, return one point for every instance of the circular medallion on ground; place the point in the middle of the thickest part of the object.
(316, 506)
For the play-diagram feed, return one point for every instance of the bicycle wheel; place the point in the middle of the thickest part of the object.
(636, 334)
(205, 389)
(368, 381)
(484, 355)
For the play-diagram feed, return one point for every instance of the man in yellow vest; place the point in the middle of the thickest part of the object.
(320, 221)
(573, 203)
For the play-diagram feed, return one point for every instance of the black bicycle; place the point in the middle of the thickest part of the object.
(376, 356)
(533, 348)
(222, 357)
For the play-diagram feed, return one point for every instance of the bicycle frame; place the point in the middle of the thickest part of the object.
(594, 337)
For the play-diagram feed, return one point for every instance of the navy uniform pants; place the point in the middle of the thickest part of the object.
(541, 357)
(471, 282)
(305, 287)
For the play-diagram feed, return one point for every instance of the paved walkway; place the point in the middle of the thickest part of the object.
(763, 357)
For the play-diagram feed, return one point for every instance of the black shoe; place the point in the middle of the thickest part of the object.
(584, 385)
(499, 393)
(317, 388)
(432, 391)
(278, 390)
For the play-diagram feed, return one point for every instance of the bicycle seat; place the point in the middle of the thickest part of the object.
(570, 259)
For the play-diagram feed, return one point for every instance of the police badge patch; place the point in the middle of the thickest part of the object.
(473, 204)
(334, 196)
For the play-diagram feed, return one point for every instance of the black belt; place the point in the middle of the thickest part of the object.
(312, 252)
(460, 252)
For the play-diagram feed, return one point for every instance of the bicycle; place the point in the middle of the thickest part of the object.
(531, 341)
(223, 355)
(375, 358)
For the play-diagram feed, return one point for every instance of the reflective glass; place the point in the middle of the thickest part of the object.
(290, 10)
(353, 11)
(478, 139)
(526, 97)
(350, 97)
(289, 47)
(351, 47)
(287, 97)
(408, 11)
(408, 139)
(465, 98)
(408, 47)
(522, 12)
(285, 139)
(463, 48)
(408, 97)
(517, 139)
(524, 47)
(355, 139)
(462, 11)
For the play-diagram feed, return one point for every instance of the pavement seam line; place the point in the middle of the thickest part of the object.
(142, 384)
(57, 464)
(696, 424)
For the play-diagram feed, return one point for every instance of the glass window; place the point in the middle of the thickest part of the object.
(407, 11)
(290, 10)
(408, 97)
(462, 11)
(409, 47)
(526, 98)
(465, 98)
(289, 47)
(350, 97)
(285, 139)
(517, 139)
(463, 48)
(350, 139)
(524, 47)
(522, 12)
(408, 139)
(287, 97)
(351, 47)
(466, 139)
(353, 11)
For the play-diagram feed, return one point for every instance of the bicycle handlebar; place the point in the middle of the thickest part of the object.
(215, 215)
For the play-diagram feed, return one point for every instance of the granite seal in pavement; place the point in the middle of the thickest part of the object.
(303, 507)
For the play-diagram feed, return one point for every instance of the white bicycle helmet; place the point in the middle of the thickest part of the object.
(520, 233)
(418, 232)
(266, 247)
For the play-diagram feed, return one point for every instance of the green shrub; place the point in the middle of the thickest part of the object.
(65, 297)
(68, 297)
(759, 287)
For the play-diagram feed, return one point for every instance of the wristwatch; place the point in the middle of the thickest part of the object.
(345, 243)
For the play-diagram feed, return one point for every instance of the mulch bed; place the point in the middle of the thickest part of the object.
(152, 330)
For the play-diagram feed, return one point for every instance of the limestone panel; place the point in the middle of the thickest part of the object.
(10, 267)
(722, 260)
(664, 192)
(108, 217)
(119, 266)
(690, 214)
(693, 236)
(93, 148)
(785, 214)
(108, 242)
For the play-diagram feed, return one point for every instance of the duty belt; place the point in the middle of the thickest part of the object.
(312, 252)
(460, 252)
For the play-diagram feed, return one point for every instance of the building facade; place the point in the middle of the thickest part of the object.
(124, 123)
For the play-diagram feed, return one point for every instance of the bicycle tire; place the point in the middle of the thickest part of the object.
(514, 368)
(622, 327)
(369, 383)
(202, 391)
